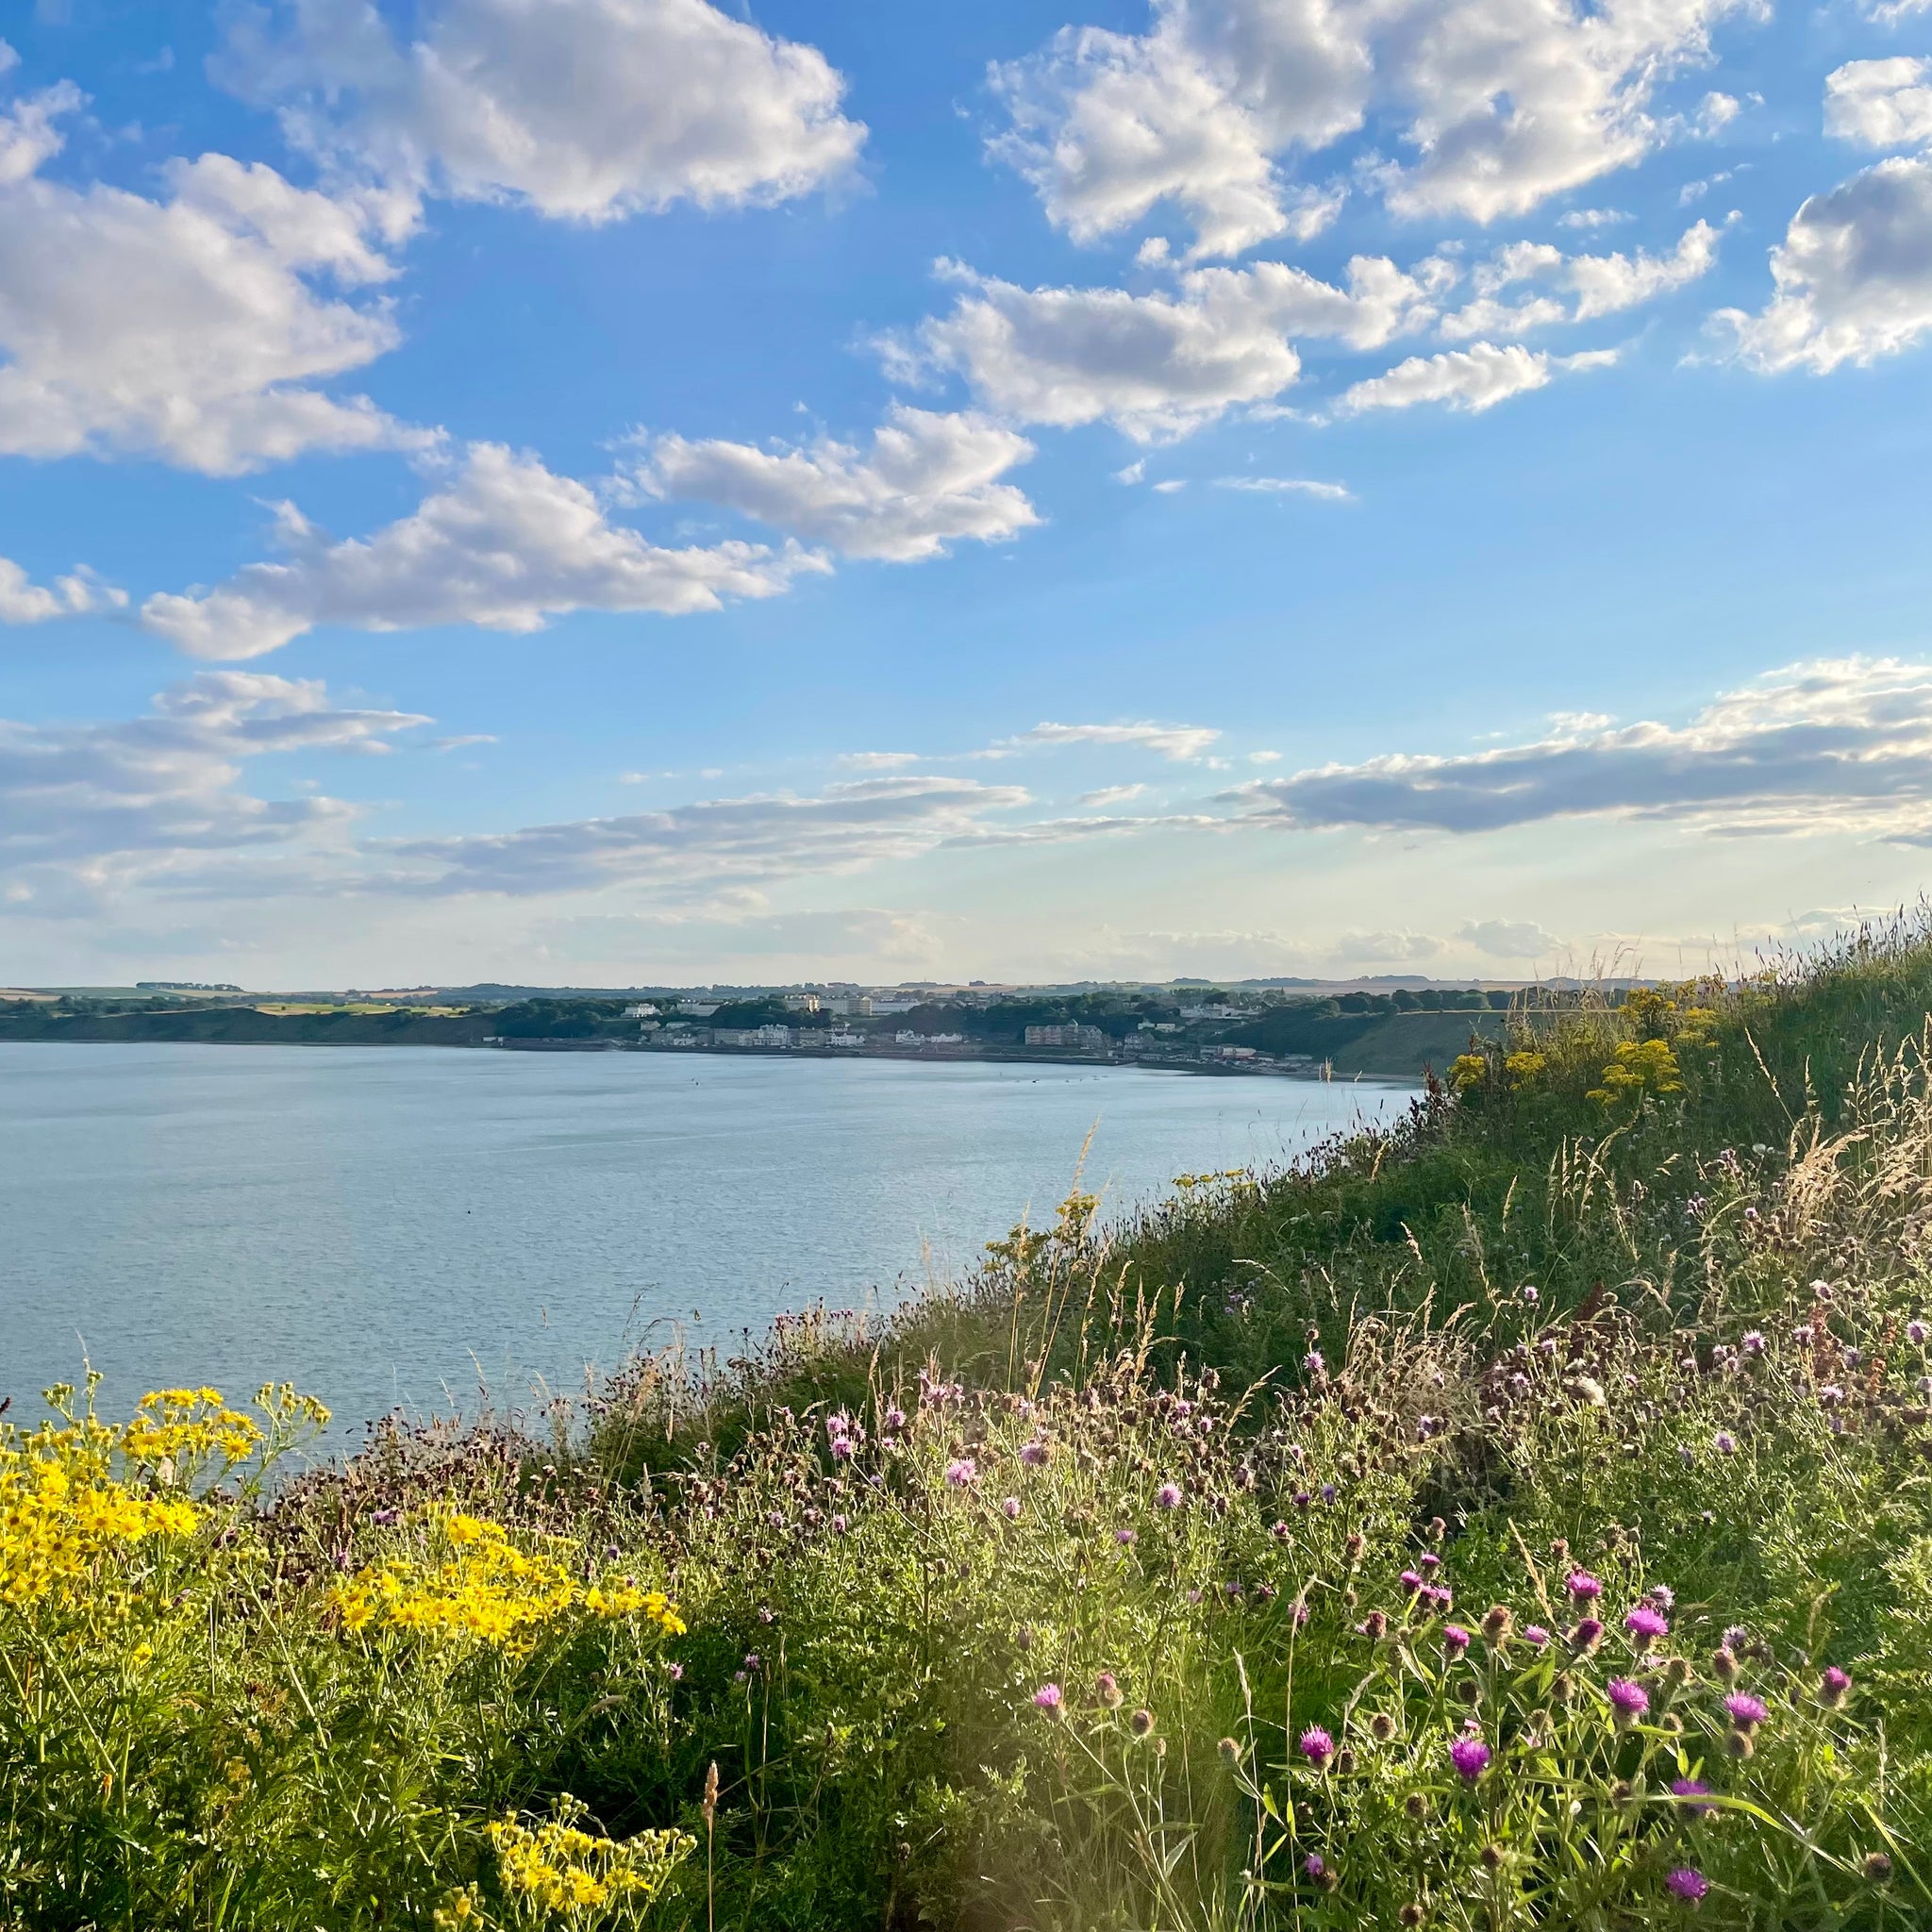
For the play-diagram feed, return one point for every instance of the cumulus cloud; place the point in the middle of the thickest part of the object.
(1471, 379)
(1837, 744)
(80, 594)
(1400, 947)
(1509, 939)
(1880, 103)
(1497, 107)
(190, 327)
(1112, 795)
(583, 109)
(927, 481)
(1852, 278)
(1180, 742)
(694, 850)
(503, 544)
(1601, 284)
(132, 798)
(1161, 364)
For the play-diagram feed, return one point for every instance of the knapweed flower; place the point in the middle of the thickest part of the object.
(1036, 1454)
(841, 1448)
(1410, 1582)
(1316, 1746)
(962, 1473)
(1010, 1509)
(1833, 1686)
(1628, 1700)
(1313, 1866)
(1587, 1635)
(1454, 1639)
(1047, 1698)
(1753, 1342)
(1125, 1537)
(1583, 1586)
(1471, 1758)
(1686, 1883)
(1312, 1364)
(1168, 1497)
(1535, 1636)
(1724, 1442)
(1645, 1626)
(895, 1418)
(1691, 1793)
(1745, 1711)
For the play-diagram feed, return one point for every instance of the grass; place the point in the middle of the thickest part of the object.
(1519, 1517)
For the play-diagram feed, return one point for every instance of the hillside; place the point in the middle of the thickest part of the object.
(1520, 1519)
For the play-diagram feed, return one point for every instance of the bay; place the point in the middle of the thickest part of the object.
(412, 1226)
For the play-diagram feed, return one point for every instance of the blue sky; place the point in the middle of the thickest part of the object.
(621, 491)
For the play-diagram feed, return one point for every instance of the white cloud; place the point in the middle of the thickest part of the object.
(927, 480)
(1112, 795)
(1182, 742)
(1160, 365)
(1396, 948)
(694, 850)
(1715, 112)
(189, 328)
(1509, 939)
(130, 799)
(1471, 379)
(1499, 104)
(1288, 486)
(503, 543)
(1593, 218)
(878, 760)
(1853, 276)
(1839, 744)
(584, 109)
(82, 594)
(1602, 284)
(1880, 103)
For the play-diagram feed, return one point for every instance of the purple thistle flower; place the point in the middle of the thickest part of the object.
(1440, 1599)
(1691, 1790)
(1429, 1561)
(1754, 1341)
(1328, 1493)
(842, 1523)
(1724, 1442)
(1125, 1537)
(1300, 1612)
(1587, 1635)
(1412, 1582)
(895, 1418)
(1647, 1625)
(1047, 1698)
(1312, 1364)
(1834, 1684)
(1035, 1455)
(1915, 1334)
(1661, 1595)
(1530, 1296)
(1454, 1639)
(1313, 1866)
(839, 1424)
(1746, 1712)
(1010, 1509)
(1168, 1497)
(1302, 1499)
(1628, 1699)
(1471, 1758)
(963, 1473)
(1686, 1883)
(841, 1448)
(1280, 1532)
(1316, 1746)
(1582, 1585)
(1535, 1636)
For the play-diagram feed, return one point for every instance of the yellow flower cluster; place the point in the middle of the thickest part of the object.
(1470, 1071)
(486, 1587)
(1640, 1067)
(576, 1876)
(62, 1514)
(177, 1428)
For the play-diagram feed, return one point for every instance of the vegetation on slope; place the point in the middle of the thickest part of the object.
(1522, 1518)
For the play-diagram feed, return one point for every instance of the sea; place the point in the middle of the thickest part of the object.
(446, 1230)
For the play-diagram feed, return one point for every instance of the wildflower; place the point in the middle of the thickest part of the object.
(1168, 1497)
(1280, 1531)
(1686, 1883)
(1724, 1442)
(1628, 1700)
(1691, 1791)
(1312, 1364)
(1535, 1636)
(1471, 1758)
(1497, 1623)
(1530, 1295)
(962, 1473)
(1746, 1712)
(1661, 1595)
(1313, 1866)
(1833, 1686)
(1108, 1691)
(894, 1419)
(1878, 1867)
(1725, 1662)
(1582, 1585)
(1142, 1722)
(1455, 1641)
(841, 1448)
(842, 1523)
(1125, 1537)
(1410, 1582)
(1375, 1627)
(1036, 1454)
(1381, 1726)
(1645, 1626)
(1048, 1698)
(1316, 1746)
(1853, 1356)
(1754, 1341)
(1587, 1635)
(1915, 1334)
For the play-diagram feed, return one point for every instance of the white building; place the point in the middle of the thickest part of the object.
(844, 1036)
(1086, 1039)
(643, 1010)
(801, 1003)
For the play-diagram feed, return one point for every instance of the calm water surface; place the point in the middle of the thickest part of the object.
(394, 1226)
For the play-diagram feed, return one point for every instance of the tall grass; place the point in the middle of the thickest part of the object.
(1519, 1516)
